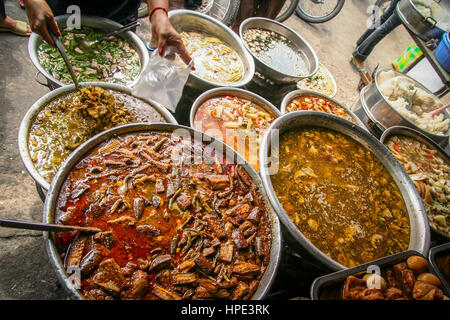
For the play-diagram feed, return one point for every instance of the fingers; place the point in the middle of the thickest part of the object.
(53, 26)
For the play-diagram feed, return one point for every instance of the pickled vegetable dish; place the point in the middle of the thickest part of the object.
(430, 173)
(340, 196)
(238, 122)
(214, 60)
(172, 228)
(111, 60)
(317, 103)
(68, 121)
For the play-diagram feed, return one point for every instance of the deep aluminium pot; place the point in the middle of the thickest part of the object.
(84, 149)
(419, 232)
(30, 116)
(99, 23)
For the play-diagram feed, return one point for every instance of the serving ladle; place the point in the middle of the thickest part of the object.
(61, 50)
(438, 110)
(45, 226)
(87, 44)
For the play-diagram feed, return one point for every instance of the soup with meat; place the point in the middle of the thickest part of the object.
(172, 229)
(340, 196)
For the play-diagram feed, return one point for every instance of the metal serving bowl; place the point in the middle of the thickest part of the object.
(99, 23)
(339, 277)
(420, 233)
(416, 135)
(265, 70)
(234, 92)
(187, 20)
(298, 93)
(30, 116)
(420, 25)
(84, 149)
(333, 80)
(383, 114)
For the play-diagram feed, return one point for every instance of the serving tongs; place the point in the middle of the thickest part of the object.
(45, 226)
(87, 44)
(61, 50)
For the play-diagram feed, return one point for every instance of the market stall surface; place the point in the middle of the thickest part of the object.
(25, 270)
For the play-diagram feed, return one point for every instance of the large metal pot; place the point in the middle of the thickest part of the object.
(416, 135)
(379, 110)
(420, 25)
(187, 20)
(298, 93)
(99, 23)
(34, 110)
(84, 149)
(268, 73)
(420, 233)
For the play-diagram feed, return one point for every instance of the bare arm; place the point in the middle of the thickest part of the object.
(163, 33)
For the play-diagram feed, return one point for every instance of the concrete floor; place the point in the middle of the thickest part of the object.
(25, 272)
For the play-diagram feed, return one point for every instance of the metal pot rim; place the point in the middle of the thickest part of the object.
(416, 211)
(52, 196)
(42, 102)
(245, 55)
(416, 135)
(35, 39)
(300, 92)
(276, 72)
(238, 92)
(438, 136)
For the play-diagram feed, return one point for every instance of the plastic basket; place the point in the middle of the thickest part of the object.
(443, 52)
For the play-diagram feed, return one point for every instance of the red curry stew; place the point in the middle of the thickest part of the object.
(317, 103)
(340, 196)
(238, 122)
(171, 229)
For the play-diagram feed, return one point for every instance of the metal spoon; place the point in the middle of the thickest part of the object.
(45, 226)
(61, 50)
(87, 44)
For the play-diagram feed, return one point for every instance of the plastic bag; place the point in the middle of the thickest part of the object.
(163, 80)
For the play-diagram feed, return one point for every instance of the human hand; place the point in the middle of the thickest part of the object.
(41, 19)
(164, 35)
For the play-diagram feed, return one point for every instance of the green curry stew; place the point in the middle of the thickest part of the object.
(340, 196)
(111, 60)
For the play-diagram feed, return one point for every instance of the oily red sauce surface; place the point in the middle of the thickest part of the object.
(102, 189)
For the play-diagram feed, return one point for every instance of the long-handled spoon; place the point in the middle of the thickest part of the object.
(86, 44)
(45, 226)
(61, 50)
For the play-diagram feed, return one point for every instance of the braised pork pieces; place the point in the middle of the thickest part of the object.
(173, 228)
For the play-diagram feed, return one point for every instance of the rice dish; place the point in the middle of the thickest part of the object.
(400, 91)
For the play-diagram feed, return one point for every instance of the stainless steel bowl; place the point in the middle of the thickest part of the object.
(268, 72)
(235, 92)
(187, 20)
(84, 149)
(99, 23)
(34, 110)
(420, 25)
(384, 115)
(416, 135)
(420, 233)
(298, 93)
(333, 80)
